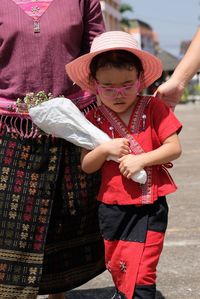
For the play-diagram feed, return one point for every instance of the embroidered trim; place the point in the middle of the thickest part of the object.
(14, 291)
(24, 257)
(122, 266)
(139, 115)
(34, 9)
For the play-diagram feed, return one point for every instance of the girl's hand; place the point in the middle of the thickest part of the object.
(92, 161)
(117, 147)
(168, 151)
(130, 164)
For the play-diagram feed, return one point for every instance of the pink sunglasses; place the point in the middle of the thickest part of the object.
(113, 92)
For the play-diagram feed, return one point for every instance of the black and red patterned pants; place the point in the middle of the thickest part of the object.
(133, 239)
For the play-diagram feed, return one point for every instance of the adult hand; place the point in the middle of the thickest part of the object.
(170, 92)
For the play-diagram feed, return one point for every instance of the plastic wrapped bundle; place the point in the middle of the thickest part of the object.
(61, 118)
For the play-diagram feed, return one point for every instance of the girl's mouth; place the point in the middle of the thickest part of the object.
(119, 103)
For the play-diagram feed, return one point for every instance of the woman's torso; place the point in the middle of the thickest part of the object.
(30, 62)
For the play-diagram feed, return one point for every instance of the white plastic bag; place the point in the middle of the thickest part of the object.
(61, 118)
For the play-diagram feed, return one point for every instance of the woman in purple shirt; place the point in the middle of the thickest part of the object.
(49, 239)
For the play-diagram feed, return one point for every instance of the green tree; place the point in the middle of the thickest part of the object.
(124, 8)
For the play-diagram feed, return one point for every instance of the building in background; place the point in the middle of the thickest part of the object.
(149, 41)
(169, 61)
(111, 13)
(145, 35)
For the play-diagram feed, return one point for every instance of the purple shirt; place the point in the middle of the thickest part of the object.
(30, 62)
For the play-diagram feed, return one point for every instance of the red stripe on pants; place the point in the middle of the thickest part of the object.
(122, 260)
(150, 257)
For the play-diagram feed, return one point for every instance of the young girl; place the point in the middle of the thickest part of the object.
(132, 217)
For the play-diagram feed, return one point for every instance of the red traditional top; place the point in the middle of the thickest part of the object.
(150, 124)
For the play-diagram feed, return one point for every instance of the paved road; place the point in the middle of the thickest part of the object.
(179, 268)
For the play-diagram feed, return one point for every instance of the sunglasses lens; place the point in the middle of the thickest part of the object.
(109, 92)
(112, 92)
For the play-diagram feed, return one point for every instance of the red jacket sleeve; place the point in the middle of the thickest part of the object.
(165, 122)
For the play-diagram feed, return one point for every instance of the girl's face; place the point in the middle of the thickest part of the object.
(117, 88)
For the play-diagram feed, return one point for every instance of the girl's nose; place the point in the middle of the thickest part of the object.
(119, 92)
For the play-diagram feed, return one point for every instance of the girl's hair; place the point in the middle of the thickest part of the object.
(117, 59)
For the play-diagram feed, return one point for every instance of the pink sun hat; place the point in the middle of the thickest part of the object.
(79, 69)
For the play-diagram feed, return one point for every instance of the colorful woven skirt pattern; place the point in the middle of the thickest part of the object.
(49, 238)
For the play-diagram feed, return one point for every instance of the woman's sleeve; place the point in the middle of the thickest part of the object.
(93, 23)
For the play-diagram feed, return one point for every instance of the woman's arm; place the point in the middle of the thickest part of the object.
(93, 23)
(190, 63)
(168, 151)
(92, 161)
(172, 90)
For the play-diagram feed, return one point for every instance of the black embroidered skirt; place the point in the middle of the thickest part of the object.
(49, 236)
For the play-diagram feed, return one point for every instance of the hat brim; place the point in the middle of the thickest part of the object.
(79, 69)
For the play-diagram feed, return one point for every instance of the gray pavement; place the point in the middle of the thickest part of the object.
(179, 267)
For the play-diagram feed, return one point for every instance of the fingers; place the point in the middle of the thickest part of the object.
(125, 149)
(159, 94)
(119, 147)
(120, 159)
(126, 141)
(124, 152)
(123, 169)
(125, 172)
(127, 167)
(156, 93)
